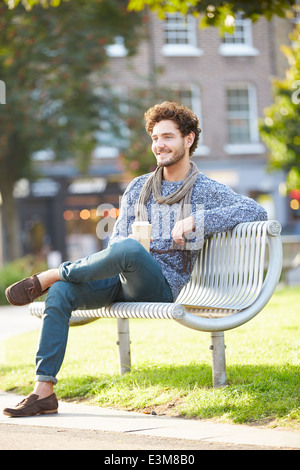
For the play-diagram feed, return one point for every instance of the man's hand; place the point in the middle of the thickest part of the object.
(181, 228)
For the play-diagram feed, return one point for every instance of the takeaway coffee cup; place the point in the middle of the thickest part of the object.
(142, 231)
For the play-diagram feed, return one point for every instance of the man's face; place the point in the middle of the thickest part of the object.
(168, 145)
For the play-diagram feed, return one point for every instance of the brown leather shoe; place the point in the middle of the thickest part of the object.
(24, 292)
(31, 406)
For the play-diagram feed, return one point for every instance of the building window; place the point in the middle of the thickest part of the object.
(180, 35)
(179, 29)
(243, 136)
(189, 95)
(240, 41)
(239, 119)
(242, 33)
(296, 12)
(113, 132)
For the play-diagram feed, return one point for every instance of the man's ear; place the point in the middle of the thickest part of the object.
(190, 139)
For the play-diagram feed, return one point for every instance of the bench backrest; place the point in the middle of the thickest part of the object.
(229, 271)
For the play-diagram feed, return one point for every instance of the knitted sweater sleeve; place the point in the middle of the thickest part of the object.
(225, 209)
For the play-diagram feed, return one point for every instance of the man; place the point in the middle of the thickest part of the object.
(183, 206)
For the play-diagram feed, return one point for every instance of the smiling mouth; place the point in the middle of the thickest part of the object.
(161, 154)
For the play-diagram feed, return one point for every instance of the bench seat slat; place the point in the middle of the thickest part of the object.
(229, 280)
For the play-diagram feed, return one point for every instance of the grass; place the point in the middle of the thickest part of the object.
(171, 367)
(18, 269)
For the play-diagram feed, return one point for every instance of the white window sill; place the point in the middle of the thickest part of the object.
(116, 50)
(235, 50)
(237, 149)
(201, 151)
(181, 50)
(105, 152)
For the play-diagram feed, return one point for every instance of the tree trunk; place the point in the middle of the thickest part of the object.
(11, 240)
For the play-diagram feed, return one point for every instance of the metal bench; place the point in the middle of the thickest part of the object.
(231, 283)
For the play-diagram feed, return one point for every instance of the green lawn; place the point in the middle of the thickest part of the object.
(171, 367)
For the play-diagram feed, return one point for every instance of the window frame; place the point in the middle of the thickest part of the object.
(179, 49)
(196, 106)
(254, 145)
(239, 48)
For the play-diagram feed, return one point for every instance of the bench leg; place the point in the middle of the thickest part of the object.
(124, 345)
(218, 359)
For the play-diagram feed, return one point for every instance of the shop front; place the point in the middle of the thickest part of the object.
(59, 217)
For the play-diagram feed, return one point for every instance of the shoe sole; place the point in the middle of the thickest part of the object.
(48, 412)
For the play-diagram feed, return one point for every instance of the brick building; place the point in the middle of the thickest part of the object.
(225, 81)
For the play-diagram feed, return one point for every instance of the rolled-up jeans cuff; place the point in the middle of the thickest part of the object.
(61, 270)
(46, 378)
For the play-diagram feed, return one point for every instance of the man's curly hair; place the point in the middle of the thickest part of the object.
(185, 119)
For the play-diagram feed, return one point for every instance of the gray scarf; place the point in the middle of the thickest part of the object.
(182, 195)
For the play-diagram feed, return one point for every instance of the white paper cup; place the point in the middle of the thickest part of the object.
(142, 231)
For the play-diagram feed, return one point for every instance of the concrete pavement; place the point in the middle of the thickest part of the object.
(15, 321)
(86, 418)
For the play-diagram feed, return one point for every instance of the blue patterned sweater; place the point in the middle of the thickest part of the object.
(215, 207)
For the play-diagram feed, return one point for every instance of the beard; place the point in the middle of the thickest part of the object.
(176, 156)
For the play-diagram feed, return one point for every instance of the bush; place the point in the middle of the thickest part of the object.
(17, 270)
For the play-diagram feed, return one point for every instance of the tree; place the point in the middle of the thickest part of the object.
(280, 127)
(218, 13)
(48, 58)
(28, 4)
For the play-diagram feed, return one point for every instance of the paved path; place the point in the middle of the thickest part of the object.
(15, 321)
(78, 426)
(132, 427)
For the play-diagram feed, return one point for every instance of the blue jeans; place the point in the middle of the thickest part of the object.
(123, 272)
